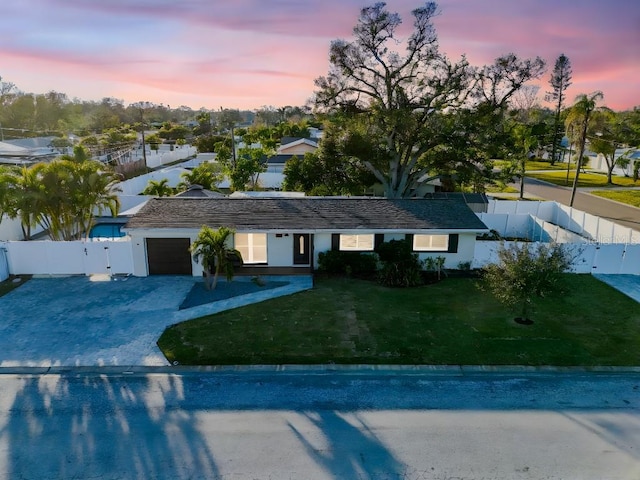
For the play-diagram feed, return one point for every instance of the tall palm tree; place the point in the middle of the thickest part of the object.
(211, 246)
(62, 196)
(579, 115)
(75, 191)
(94, 192)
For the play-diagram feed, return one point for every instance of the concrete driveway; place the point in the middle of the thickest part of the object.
(75, 321)
(94, 321)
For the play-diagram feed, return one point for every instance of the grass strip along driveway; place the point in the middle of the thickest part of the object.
(347, 321)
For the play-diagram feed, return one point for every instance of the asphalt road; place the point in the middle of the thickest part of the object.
(306, 425)
(616, 212)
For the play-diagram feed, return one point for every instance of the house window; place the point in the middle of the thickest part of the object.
(252, 246)
(357, 243)
(430, 243)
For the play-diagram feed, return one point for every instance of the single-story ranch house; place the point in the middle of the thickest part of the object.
(285, 235)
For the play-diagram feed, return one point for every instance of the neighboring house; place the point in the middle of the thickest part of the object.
(289, 147)
(315, 133)
(285, 235)
(297, 146)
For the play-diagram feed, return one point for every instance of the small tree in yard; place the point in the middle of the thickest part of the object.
(211, 246)
(524, 273)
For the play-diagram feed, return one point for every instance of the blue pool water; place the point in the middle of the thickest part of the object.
(107, 230)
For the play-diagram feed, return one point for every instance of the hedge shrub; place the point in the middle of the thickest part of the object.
(348, 263)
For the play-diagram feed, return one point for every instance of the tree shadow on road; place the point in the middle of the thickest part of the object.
(102, 427)
(347, 450)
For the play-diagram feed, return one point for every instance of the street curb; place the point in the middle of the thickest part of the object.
(448, 370)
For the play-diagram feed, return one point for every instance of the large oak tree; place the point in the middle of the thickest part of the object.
(395, 101)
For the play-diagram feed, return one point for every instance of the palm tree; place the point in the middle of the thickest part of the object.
(207, 175)
(579, 115)
(211, 246)
(22, 196)
(61, 196)
(74, 192)
(5, 191)
(158, 188)
(94, 191)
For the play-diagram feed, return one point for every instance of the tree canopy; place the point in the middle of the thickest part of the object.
(399, 103)
(61, 196)
(525, 272)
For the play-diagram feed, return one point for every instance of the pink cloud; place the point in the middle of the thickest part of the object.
(255, 52)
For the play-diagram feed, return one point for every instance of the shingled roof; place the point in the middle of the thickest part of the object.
(325, 213)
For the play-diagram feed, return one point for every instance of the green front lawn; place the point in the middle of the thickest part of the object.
(630, 197)
(584, 180)
(348, 321)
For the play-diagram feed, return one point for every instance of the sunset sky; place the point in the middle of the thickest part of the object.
(250, 53)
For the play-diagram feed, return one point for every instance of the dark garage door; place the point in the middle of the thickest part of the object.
(169, 256)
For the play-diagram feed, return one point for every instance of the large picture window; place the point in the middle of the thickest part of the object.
(430, 243)
(252, 246)
(357, 243)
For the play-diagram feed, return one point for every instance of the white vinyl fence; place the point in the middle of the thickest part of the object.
(598, 245)
(159, 158)
(587, 226)
(69, 258)
(587, 257)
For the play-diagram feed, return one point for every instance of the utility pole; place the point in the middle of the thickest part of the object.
(144, 148)
(579, 161)
(233, 148)
(570, 145)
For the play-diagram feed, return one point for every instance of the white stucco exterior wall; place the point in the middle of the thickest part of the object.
(466, 247)
(322, 243)
(280, 250)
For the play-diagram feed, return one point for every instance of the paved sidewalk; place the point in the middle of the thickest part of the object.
(627, 284)
(74, 321)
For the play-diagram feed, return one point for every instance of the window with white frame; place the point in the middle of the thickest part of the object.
(357, 243)
(252, 247)
(430, 243)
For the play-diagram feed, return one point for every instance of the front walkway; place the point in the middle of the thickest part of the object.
(78, 321)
